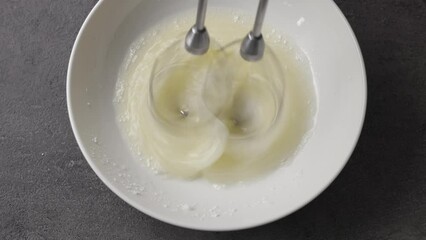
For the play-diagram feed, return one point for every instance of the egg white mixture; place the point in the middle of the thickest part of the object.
(215, 115)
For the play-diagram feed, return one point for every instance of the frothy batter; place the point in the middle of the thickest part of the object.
(214, 115)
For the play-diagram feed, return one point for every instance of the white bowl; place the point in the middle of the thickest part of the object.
(317, 26)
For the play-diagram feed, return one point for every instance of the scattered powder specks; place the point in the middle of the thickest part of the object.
(300, 21)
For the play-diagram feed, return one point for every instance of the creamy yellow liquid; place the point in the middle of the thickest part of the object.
(215, 115)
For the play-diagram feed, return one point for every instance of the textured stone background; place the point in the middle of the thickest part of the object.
(48, 191)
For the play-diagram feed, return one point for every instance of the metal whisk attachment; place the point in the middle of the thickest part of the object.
(253, 45)
(197, 40)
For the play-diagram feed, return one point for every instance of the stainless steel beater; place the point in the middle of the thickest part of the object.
(253, 45)
(197, 40)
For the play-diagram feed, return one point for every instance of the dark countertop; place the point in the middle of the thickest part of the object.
(48, 191)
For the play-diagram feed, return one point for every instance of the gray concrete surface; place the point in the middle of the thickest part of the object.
(48, 191)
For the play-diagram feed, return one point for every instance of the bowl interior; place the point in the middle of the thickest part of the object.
(322, 32)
